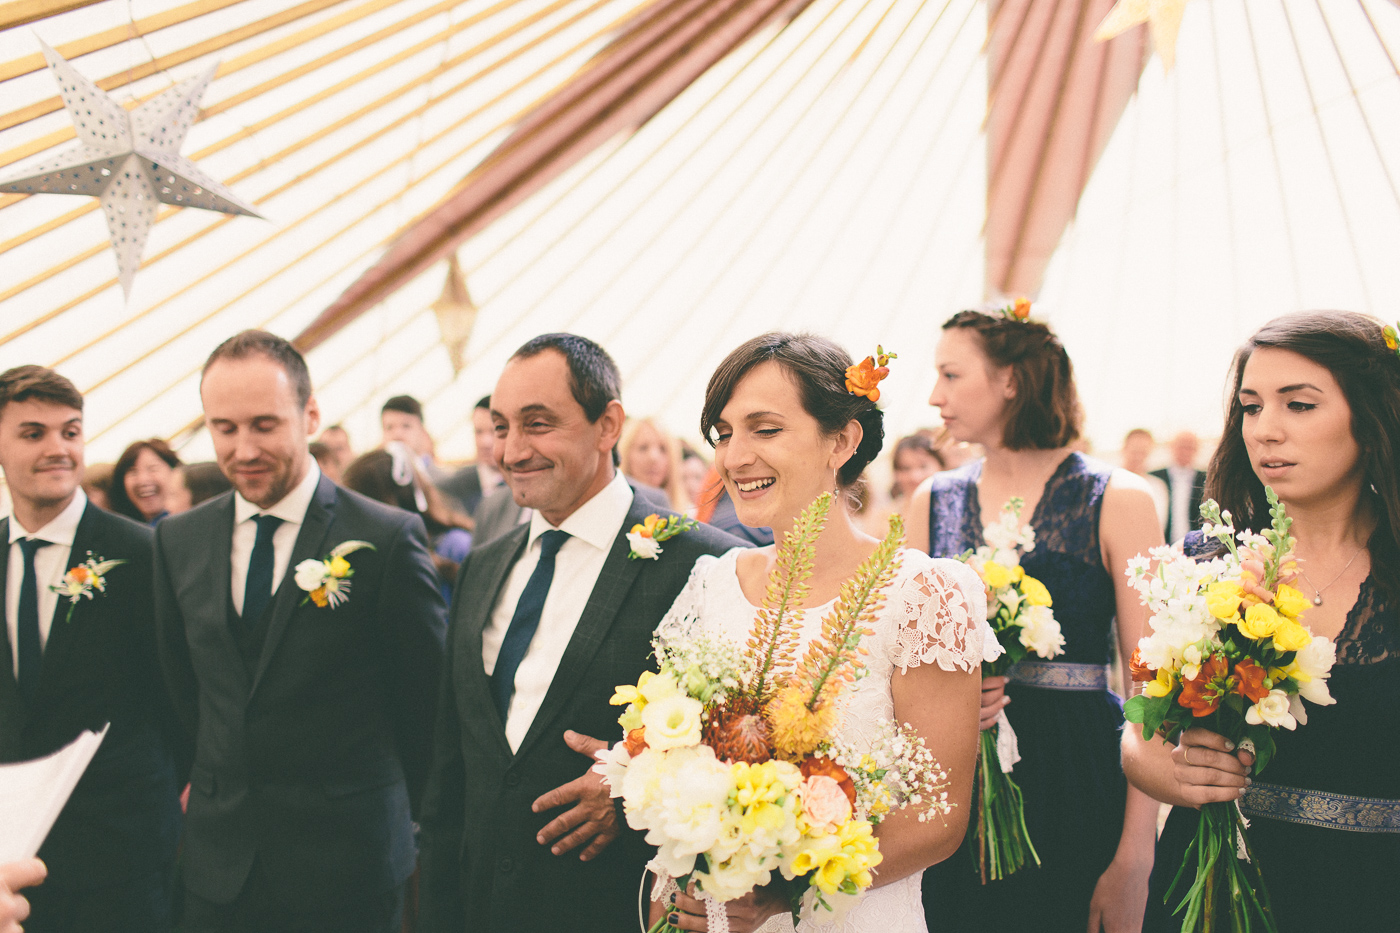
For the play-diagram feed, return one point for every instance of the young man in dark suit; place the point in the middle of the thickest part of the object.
(71, 665)
(301, 633)
(546, 622)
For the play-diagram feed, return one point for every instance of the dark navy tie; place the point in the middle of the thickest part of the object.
(524, 622)
(31, 651)
(257, 592)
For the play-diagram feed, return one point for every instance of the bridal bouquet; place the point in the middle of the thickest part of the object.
(1018, 608)
(1227, 652)
(731, 762)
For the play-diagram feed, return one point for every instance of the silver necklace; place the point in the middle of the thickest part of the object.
(1317, 598)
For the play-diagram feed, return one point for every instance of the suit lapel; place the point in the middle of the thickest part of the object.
(86, 538)
(493, 577)
(11, 706)
(310, 544)
(614, 582)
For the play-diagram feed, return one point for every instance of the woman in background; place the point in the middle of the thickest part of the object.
(142, 479)
(195, 483)
(393, 476)
(652, 457)
(1008, 384)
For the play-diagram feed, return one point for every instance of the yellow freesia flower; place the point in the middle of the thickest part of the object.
(1035, 592)
(1017, 573)
(764, 793)
(1290, 602)
(1260, 622)
(1290, 636)
(625, 694)
(339, 567)
(1280, 674)
(996, 575)
(1161, 686)
(1223, 599)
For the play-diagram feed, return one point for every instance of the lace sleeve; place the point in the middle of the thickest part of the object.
(680, 620)
(943, 619)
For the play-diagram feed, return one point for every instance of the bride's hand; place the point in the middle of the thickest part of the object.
(994, 700)
(746, 914)
(1208, 769)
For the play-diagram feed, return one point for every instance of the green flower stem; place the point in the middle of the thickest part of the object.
(1227, 893)
(1001, 839)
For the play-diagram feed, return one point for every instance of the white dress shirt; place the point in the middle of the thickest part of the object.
(50, 564)
(1183, 478)
(292, 510)
(592, 529)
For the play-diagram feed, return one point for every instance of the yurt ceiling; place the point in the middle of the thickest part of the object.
(440, 181)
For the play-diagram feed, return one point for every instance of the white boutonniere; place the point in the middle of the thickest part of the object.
(326, 582)
(81, 581)
(646, 538)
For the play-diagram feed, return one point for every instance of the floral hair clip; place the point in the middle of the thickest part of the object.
(864, 377)
(1019, 311)
(1392, 338)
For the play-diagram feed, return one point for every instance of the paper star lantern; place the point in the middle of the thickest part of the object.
(456, 315)
(130, 160)
(1164, 17)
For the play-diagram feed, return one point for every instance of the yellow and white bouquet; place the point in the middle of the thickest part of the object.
(1228, 652)
(731, 762)
(1019, 611)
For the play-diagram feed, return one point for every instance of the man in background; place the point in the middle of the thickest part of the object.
(1185, 485)
(1138, 445)
(473, 483)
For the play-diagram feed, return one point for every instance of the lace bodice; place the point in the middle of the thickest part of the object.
(935, 613)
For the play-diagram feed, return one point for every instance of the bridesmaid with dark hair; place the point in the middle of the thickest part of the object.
(1006, 382)
(1314, 412)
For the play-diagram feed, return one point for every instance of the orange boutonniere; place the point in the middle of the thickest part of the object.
(864, 377)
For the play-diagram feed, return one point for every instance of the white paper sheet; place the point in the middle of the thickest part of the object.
(33, 793)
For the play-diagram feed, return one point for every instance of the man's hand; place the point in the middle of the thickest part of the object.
(13, 876)
(592, 819)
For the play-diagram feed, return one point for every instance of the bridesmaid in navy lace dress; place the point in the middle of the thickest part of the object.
(1316, 415)
(1008, 384)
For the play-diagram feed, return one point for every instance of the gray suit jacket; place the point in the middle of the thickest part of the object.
(482, 868)
(307, 757)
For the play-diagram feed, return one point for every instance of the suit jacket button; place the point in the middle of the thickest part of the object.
(512, 780)
(505, 865)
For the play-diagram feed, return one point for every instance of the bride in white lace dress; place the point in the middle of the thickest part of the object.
(785, 430)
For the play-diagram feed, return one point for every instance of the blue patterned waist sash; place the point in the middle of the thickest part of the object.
(1319, 808)
(1057, 675)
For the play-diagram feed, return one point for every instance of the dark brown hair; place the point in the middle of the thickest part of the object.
(243, 345)
(818, 366)
(1045, 413)
(1350, 346)
(914, 443)
(117, 499)
(372, 474)
(204, 481)
(40, 384)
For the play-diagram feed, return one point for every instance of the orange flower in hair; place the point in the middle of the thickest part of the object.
(1392, 338)
(1020, 311)
(864, 378)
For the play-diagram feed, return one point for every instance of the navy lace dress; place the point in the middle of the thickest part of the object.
(1070, 771)
(1322, 878)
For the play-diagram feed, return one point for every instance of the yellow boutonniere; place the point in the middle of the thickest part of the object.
(81, 581)
(646, 538)
(326, 582)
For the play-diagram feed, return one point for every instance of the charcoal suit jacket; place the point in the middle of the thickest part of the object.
(123, 820)
(309, 733)
(482, 868)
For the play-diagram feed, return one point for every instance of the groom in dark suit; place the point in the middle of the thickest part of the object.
(546, 622)
(70, 666)
(301, 633)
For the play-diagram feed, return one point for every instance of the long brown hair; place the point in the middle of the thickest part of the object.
(1351, 347)
(1045, 413)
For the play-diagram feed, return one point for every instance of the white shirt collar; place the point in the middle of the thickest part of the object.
(63, 527)
(290, 508)
(597, 521)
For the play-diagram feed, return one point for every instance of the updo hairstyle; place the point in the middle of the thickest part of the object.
(1045, 414)
(818, 367)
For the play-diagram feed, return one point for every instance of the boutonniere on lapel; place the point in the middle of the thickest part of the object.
(81, 581)
(326, 582)
(646, 538)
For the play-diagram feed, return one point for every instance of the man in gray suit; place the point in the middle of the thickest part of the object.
(546, 622)
(301, 634)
